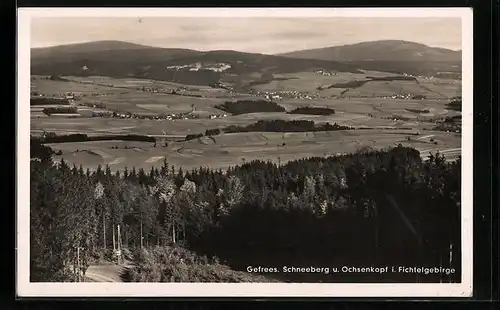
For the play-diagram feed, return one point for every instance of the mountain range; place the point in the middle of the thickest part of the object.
(124, 59)
(386, 50)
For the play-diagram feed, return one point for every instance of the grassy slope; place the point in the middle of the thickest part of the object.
(176, 264)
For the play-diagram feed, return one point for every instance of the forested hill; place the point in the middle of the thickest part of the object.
(122, 59)
(383, 50)
(389, 56)
(86, 47)
(364, 209)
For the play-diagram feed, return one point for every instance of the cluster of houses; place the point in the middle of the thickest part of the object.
(428, 78)
(169, 117)
(216, 67)
(214, 116)
(324, 72)
(279, 95)
(220, 84)
(70, 96)
(406, 97)
(272, 96)
(123, 115)
(181, 91)
(150, 89)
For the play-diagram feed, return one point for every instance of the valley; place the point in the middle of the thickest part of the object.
(207, 162)
(370, 102)
(385, 110)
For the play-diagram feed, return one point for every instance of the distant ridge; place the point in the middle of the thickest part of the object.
(383, 50)
(125, 59)
(86, 47)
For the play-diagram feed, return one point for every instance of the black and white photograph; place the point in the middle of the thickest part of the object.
(221, 152)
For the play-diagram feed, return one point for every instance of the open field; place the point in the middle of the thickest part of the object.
(233, 149)
(123, 95)
(437, 92)
(434, 88)
(135, 83)
(56, 88)
(446, 88)
(382, 122)
(309, 81)
(105, 84)
(94, 126)
(371, 112)
(153, 103)
(377, 107)
(389, 88)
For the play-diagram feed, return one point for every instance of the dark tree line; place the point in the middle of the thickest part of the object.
(60, 110)
(418, 110)
(194, 136)
(284, 126)
(48, 101)
(451, 123)
(250, 106)
(313, 111)
(212, 132)
(367, 208)
(271, 126)
(392, 78)
(359, 83)
(455, 104)
(350, 84)
(80, 137)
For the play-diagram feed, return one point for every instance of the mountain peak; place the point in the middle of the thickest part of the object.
(85, 47)
(93, 46)
(382, 50)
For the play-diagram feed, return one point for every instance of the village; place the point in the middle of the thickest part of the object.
(216, 67)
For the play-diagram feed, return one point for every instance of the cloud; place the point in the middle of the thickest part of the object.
(264, 35)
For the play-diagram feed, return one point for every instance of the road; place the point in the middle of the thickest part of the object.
(106, 273)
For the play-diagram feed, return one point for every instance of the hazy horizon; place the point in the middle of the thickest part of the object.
(253, 35)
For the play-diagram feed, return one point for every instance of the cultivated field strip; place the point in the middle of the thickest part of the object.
(237, 148)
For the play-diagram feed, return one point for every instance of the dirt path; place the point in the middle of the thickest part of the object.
(107, 273)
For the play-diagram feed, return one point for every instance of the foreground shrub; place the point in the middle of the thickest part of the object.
(176, 264)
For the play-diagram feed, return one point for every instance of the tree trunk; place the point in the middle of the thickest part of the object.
(141, 235)
(173, 233)
(114, 241)
(74, 270)
(183, 231)
(78, 268)
(104, 230)
(126, 238)
(120, 257)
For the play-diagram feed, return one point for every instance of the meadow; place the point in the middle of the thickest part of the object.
(154, 103)
(309, 81)
(237, 148)
(431, 88)
(135, 83)
(56, 88)
(381, 122)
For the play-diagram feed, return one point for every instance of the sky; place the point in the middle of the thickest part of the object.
(256, 35)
